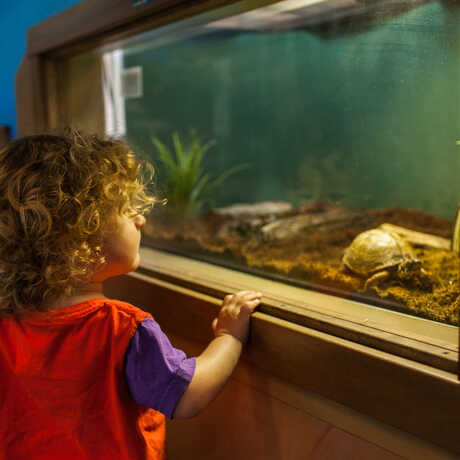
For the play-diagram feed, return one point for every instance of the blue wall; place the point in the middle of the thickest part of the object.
(15, 18)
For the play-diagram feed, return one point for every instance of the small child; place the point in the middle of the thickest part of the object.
(83, 376)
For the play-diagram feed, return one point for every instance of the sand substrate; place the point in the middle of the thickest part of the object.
(313, 254)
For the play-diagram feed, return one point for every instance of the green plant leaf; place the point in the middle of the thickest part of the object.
(165, 154)
(223, 176)
(188, 187)
(197, 191)
(181, 157)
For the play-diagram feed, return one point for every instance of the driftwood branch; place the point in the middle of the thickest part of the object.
(418, 238)
(456, 235)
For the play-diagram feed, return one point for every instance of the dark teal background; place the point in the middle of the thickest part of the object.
(366, 116)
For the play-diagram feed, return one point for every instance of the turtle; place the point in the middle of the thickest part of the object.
(377, 254)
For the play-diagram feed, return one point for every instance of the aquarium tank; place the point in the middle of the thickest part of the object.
(316, 142)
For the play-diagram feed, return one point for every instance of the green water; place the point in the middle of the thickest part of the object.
(362, 115)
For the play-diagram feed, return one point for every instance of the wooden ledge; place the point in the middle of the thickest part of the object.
(417, 339)
(417, 398)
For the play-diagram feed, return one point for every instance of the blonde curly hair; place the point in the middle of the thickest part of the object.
(59, 197)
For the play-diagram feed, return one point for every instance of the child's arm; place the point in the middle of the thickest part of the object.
(217, 362)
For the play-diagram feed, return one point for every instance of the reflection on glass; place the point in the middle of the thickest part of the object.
(282, 135)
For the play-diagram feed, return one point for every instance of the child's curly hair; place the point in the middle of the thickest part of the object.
(59, 196)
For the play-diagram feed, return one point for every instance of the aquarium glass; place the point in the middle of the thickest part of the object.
(281, 133)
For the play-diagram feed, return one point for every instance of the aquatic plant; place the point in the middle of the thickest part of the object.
(188, 187)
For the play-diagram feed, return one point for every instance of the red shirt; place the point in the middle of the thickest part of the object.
(63, 394)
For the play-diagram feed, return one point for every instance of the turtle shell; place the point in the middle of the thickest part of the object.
(375, 250)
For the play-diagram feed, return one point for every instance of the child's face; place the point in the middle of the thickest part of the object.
(121, 247)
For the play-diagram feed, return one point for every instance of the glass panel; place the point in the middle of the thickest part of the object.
(312, 141)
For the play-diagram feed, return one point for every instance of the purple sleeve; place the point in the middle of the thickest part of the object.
(156, 372)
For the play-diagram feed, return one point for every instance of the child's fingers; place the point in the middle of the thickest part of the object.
(248, 301)
(252, 295)
(228, 298)
(240, 297)
(247, 295)
(250, 305)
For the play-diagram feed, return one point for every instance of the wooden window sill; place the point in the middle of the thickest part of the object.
(397, 369)
(418, 339)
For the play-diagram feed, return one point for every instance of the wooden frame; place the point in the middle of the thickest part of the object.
(411, 381)
(5, 134)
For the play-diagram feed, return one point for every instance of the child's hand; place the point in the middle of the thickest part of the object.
(215, 364)
(234, 315)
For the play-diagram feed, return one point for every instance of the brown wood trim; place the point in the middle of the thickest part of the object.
(390, 389)
(410, 396)
(31, 97)
(266, 385)
(5, 135)
(54, 101)
(277, 302)
(87, 25)
(86, 19)
(99, 18)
